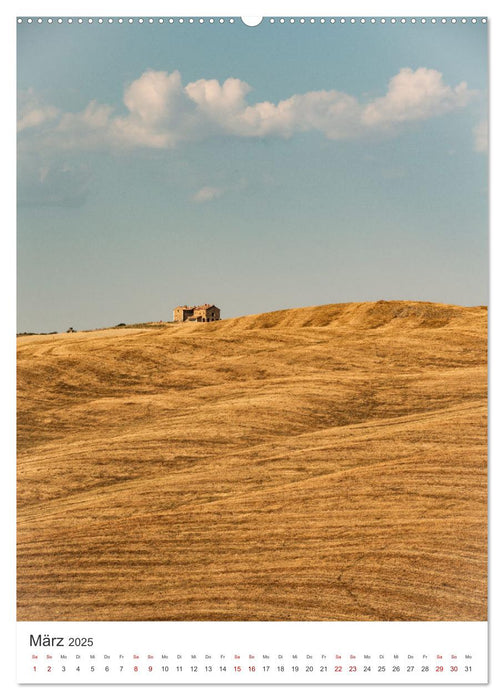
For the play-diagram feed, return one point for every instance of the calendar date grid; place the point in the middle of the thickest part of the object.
(252, 664)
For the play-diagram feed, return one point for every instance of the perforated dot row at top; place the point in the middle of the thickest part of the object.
(125, 20)
(232, 20)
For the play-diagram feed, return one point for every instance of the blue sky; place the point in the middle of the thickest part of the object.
(341, 163)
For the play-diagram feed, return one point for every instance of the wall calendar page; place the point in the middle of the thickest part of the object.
(252, 349)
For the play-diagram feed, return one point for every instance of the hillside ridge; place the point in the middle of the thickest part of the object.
(365, 315)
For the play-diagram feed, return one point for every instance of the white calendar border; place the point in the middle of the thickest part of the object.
(386, 8)
(253, 652)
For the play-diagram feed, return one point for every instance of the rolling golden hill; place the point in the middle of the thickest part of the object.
(323, 463)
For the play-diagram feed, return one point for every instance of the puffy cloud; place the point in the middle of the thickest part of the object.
(88, 130)
(154, 96)
(206, 194)
(333, 113)
(480, 135)
(220, 103)
(413, 96)
(31, 112)
(161, 112)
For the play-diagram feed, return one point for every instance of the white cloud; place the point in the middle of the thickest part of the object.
(31, 112)
(415, 96)
(161, 112)
(87, 130)
(206, 194)
(480, 135)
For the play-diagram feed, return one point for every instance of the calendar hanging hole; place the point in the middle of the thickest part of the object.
(251, 21)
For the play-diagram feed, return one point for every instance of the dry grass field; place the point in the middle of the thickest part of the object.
(323, 463)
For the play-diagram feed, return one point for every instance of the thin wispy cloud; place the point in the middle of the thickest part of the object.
(480, 135)
(207, 194)
(57, 184)
(161, 113)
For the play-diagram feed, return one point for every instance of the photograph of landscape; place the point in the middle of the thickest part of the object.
(252, 321)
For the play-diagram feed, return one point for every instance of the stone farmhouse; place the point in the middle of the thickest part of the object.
(200, 314)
